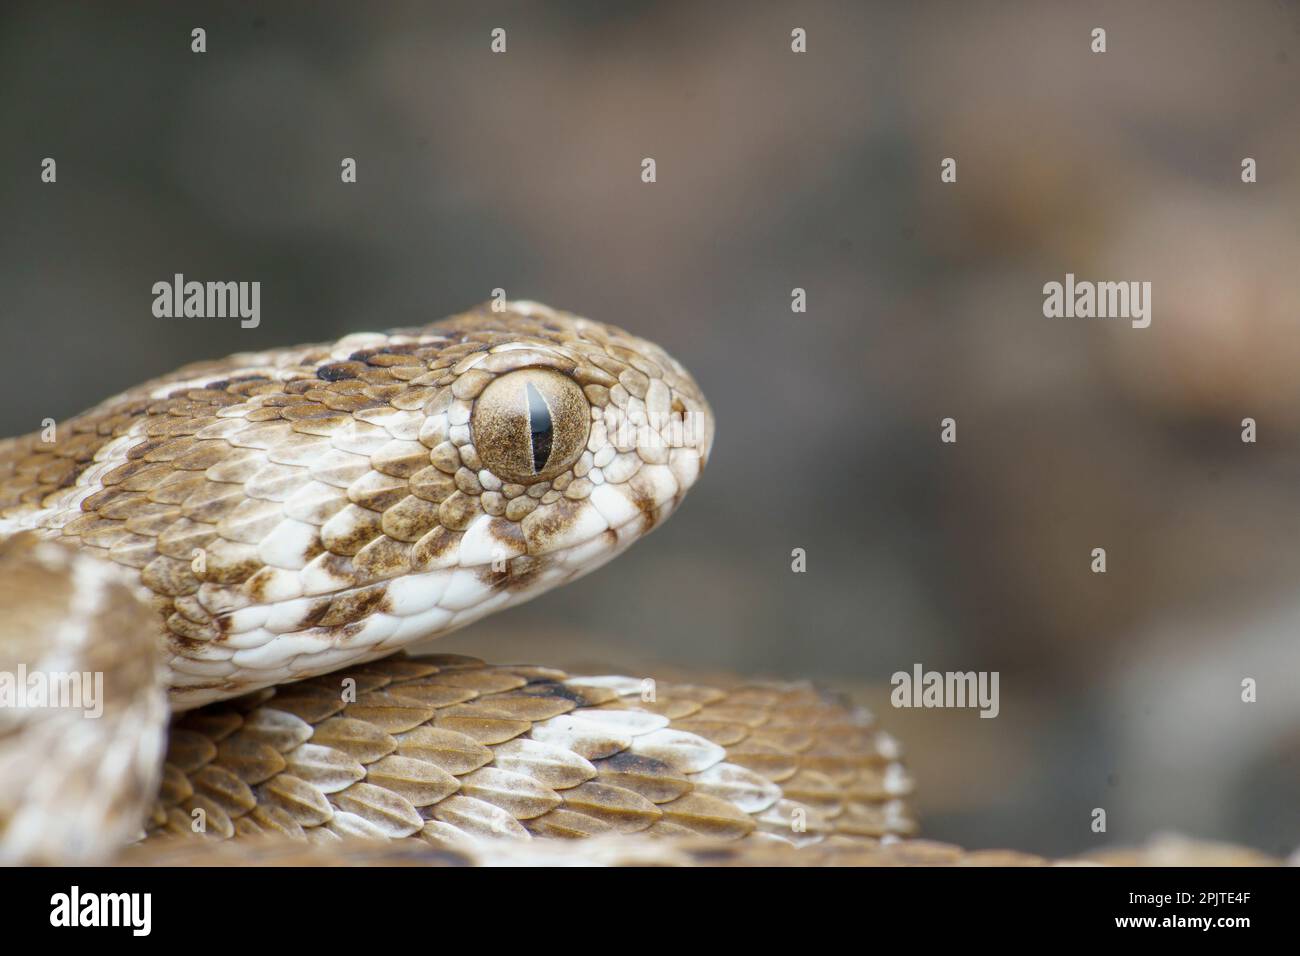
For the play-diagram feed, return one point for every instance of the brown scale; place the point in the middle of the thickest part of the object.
(432, 741)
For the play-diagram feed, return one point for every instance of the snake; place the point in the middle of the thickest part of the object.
(234, 559)
(215, 590)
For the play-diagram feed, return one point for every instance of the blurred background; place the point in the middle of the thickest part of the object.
(778, 170)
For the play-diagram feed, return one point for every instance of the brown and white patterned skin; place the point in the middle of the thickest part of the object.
(454, 752)
(279, 516)
(73, 787)
(296, 511)
(289, 513)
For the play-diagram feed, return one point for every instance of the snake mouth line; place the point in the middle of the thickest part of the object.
(522, 579)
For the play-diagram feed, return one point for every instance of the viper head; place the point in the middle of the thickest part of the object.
(553, 443)
(312, 507)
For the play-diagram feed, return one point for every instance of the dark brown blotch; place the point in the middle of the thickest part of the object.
(337, 372)
(364, 355)
(353, 606)
(646, 505)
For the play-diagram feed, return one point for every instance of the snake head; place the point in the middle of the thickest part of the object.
(555, 442)
(298, 510)
(578, 431)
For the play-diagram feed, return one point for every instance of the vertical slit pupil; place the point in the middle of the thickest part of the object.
(539, 427)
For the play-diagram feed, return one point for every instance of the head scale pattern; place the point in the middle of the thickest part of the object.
(297, 510)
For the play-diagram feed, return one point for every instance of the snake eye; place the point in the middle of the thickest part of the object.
(531, 424)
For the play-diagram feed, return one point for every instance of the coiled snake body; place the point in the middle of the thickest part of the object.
(287, 514)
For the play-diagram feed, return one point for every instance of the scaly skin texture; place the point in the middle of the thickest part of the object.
(278, 516)
(452, 751)
(295, 511)
(73, 787)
